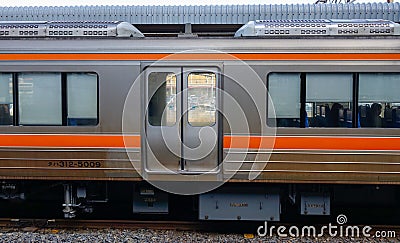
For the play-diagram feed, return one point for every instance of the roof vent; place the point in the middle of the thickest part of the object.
(319, 27)
(67, 29)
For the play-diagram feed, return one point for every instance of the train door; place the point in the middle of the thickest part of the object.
(181, 125)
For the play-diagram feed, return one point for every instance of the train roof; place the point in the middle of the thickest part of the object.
(206, 20)
(257, 28)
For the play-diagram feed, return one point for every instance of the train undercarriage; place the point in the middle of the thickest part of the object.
(232, 202)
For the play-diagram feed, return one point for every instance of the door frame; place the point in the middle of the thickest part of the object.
(195, 66)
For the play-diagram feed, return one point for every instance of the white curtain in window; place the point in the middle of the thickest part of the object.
(40, 98)
(82, 95)
(284, 90)
(329, 87)
(379, 87)
(6, 88)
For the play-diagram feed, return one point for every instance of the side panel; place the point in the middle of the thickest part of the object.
(322, 155)
(299, 155)
(75, 152)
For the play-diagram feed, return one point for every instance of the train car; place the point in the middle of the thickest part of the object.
(295, 114)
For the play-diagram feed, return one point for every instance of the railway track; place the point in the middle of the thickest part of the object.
(212, 226)
(159, 231)
(35, 224)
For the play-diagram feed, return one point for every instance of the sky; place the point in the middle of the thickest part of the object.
(14, 3)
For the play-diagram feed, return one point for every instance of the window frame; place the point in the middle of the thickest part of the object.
(59, 97)
(64, 104)
(354, 99)
(193, 124)
(154, 92)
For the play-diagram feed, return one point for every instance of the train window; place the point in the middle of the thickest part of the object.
(162, 104)
(81, 99)
(201, 99)
(379, 99)
(39, 98)
(329, 99)
(6, 99)
(284, 90)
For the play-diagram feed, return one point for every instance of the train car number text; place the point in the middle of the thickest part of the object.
(77, 164)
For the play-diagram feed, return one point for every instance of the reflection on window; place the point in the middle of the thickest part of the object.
(201, 99)
(6, 99)
(40, 98)
(284, 90)
(82, 99)
(162, 94)
(379, 100)
(329, 99)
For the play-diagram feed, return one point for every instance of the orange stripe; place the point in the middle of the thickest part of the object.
(69, 141)
(312, 143)
(239, 142)
(199, 56)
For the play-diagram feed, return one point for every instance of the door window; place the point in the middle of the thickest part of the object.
(201, 99)
(162, 94)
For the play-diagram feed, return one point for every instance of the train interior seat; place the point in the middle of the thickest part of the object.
(320, 119)
(396, 117)
(81, 121)
(341, 118)
(307, 122)
(364, 110)
(388, 117)
(288, 122)
(348, 118)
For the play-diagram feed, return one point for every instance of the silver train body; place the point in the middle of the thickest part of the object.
(223, 127)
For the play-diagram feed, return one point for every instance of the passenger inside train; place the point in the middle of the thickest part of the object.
(5, 116)
(374, 117)
(336, 116)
